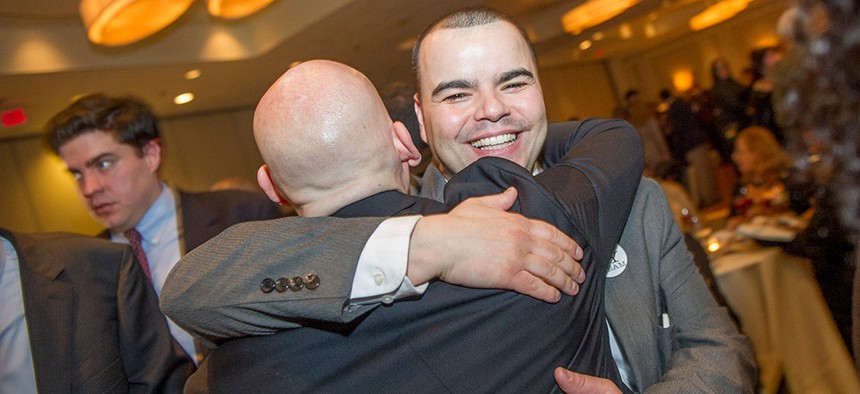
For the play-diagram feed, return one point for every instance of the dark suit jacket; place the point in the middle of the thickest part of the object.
(204, 215)
(454, 339)
(93, 319)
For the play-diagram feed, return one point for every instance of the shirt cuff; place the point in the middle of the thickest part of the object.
(381, 272)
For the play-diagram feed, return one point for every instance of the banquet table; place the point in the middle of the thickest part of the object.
(780, 308)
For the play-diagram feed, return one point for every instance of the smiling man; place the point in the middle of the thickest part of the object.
(479, 95)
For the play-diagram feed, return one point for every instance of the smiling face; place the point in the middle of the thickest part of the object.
(117, 182)
(480, 96)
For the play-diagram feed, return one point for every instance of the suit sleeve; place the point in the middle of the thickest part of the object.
(587, 192)
(594, 170)
(153, 360)
(709, 353)
(216, 291)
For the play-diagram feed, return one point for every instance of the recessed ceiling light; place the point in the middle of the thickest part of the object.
(625, 31)
(193, 74)
(183, 98)
(585, 45)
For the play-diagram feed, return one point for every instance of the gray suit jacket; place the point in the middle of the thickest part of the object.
(701, 350)
(93, 320)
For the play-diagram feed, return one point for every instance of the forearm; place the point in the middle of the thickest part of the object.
(215, 291)
(595, 171)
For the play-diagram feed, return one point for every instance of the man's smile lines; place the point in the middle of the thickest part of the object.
(495, 142)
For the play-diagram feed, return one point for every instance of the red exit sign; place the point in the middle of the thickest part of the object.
(13, 117)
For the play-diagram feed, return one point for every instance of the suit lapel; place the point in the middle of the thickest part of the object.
(630, 320)
(193, 223)
(48, 309)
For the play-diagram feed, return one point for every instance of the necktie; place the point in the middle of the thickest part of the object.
(134, 239)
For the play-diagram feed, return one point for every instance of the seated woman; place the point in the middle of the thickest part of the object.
(770, 186)
(764, 170)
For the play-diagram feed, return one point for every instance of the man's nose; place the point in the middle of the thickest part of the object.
(90, 185)
(492, 108)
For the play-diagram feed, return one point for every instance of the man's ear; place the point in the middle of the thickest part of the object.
(403, 143)
(264, 179)
(420, 115)
(151, 153)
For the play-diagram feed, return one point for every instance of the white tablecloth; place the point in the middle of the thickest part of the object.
(781, 310)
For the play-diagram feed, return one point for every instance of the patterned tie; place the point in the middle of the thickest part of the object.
(134, 238)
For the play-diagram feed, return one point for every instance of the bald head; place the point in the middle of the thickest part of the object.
(327, 139)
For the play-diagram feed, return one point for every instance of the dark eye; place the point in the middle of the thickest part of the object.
(455, 97)
(76, 174)
(104, 164)
(515, 85)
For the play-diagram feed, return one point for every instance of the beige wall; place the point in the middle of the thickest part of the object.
(39, 195)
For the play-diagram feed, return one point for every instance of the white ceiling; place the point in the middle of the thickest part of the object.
(45, 59)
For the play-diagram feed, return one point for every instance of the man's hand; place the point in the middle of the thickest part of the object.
(479, 244)
(571, 382)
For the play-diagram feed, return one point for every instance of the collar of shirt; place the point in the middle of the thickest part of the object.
(158, 222)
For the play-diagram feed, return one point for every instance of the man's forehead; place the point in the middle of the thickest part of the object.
(452, 51)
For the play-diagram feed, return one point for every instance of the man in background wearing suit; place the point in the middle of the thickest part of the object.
(79, 316)
(322, 106)
(668, 332)
(112, 147)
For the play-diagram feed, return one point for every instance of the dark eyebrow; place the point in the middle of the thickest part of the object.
(99, 158)
(455, 84)
(509, 75)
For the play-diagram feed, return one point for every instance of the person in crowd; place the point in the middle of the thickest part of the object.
(462, 102)
(764, 168)
(703, 106)
(690, 146)
(759, 95)
(112, 147)
(643, 118)
(326, 106)
(772, 186)
(822, 122)
(79, 316)
(729, 109)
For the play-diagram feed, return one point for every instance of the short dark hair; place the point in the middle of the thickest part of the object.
(467, 17)
(128, 118)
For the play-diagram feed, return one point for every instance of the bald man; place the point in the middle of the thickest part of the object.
(331, 149)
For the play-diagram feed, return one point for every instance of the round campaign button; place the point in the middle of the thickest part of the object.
(618, 263)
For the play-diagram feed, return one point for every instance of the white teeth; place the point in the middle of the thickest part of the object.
(495, 142)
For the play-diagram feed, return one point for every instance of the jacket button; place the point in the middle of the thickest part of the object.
(282, 284)
(296, 284)
(312, 281)
(267, 285)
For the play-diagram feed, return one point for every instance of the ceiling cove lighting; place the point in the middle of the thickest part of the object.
(592, 13)
(234, 9)
(122, 22)
(717, 13)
